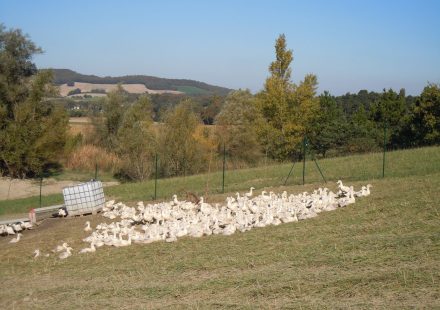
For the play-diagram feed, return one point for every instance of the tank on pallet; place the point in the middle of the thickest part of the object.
(84, 198)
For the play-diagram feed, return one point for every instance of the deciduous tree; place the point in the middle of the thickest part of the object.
(32, 128)
(136, 140)
(287, 109)
(237, 126)
(179, 151)
(426, 116)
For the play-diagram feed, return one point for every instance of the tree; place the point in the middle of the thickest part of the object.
(136, 140)
(212, 109)
(361, 133)
(179, 150)
(108, 125)
(389, 110)
(32, 129)
(237, 126)
(75, 91)
(286, 109)
(426, 116)
(328, 129)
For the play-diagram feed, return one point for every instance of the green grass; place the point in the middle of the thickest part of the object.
(415, 162)
(382, 252)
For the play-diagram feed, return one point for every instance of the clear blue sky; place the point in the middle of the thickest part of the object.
(350, 45)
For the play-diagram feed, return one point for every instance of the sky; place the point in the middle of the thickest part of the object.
(349, 44)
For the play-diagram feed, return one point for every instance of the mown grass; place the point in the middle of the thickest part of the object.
(422, 161)
(382, 252)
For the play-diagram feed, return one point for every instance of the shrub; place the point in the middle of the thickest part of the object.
(75, 91)
(85, 157)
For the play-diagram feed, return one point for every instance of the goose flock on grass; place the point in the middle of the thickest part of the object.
(168, 221)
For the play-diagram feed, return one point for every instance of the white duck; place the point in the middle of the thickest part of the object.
(89, 250)
(36, 253)
(16, 239)
(87, 228)
(26, 225)
(344, 189)
(10, 230)
(17, 227)
(250, 194)
(60, 248)
(66, 254)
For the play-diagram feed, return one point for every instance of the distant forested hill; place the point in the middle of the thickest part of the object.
(189, 87)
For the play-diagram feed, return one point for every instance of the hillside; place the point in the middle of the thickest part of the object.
(189, 87)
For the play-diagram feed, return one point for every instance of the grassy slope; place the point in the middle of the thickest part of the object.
(191, 90)
(382, 252)
(423, 161)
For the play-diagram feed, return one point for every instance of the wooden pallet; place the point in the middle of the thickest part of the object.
(44, 213)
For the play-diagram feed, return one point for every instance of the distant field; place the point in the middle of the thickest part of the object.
(131, 88)
(383, 252)
(80, 125)
(191, 90)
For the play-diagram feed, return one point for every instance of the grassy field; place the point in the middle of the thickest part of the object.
(191, 90)
(381, 252)
(367, 167)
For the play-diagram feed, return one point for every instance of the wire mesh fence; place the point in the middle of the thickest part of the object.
(226, 177)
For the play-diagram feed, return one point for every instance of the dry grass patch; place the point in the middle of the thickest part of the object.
(85, 158)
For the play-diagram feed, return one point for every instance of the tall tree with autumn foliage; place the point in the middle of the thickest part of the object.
(287, 109)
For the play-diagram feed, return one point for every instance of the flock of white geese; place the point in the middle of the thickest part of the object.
(168, 221)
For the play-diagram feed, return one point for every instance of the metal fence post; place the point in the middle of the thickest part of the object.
(41, 185)
(304, 159)
(155, 180)
(290, 172)
(384, 148)
(96, 171)
(319, 169)
(224, 165)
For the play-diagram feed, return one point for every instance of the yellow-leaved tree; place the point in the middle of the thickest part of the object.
(287, 109)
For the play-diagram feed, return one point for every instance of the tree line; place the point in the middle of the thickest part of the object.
(249, 127)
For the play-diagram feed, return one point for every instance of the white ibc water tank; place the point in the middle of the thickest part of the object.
(84, 198)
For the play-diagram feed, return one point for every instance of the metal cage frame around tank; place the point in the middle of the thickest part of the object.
(84, 198)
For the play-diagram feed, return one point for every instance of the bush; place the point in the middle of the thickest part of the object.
(85, 157)
(75, 91)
